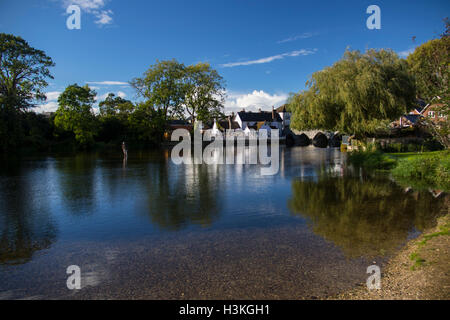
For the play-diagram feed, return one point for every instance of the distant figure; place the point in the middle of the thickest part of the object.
(124, 150)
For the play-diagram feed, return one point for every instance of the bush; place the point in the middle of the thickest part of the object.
(371, 160)
(425, 170)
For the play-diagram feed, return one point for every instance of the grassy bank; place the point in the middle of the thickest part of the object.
(424, 170)
(418, 170)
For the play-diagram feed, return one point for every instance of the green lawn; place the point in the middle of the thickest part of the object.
(403, 155)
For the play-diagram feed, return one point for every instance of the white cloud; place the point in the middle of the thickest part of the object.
(86, 5)
(53, 95)
(108, 83)
(104, 96)
(302, 52)
(51, 106)
(94, 7)
(253, 101)
(305, 35)
(406, 53)
(104, 17)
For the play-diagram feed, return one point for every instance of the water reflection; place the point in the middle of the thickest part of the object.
(25, 221)
(178, 198)
(363, 216)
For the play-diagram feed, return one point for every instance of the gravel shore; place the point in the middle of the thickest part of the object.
(421, 270)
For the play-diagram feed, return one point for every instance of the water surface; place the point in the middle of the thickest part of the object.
(151, 229)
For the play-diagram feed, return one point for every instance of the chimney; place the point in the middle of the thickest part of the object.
(229, 122)
(259, 109)
(273, 113)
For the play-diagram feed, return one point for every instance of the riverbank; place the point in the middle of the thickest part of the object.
(420, 171)
(421, 270)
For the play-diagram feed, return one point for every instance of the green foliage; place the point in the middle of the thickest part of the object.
(359, 94)
(425, 171)
(23, 74)
(147, 124)
(205, 90)
(163, 87)
(371, 160)
(75, 113)
(430, 65)
(114, 113)
(115, 106)
(176, 90)
(419, 146)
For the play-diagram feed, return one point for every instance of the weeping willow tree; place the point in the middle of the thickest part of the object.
(357, 95)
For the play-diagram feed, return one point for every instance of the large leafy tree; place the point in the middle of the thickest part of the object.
(357, 95)
(114, 113)
(147, 123)
(75, 113)
(23, 74)
(163, 86)
(114, 106)
(178, 90)
(205, 92)
(430, 65)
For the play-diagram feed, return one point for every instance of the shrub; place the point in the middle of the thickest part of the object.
(425, 170)
(371, 160)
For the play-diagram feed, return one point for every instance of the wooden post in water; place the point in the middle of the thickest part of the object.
(124, 150)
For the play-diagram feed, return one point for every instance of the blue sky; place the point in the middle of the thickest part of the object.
(263, 49)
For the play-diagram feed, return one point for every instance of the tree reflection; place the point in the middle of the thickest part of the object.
(183, 195)
(77, 176)
(363, 217)
(25, 223)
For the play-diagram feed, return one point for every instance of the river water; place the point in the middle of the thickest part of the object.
(151, 229)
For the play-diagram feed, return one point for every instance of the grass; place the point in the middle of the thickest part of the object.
(371, 160)
(418, 170)
(418, 261)
(444, 231)
(431, 169)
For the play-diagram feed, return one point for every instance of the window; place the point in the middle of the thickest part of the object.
(431, 114)
(441, 115)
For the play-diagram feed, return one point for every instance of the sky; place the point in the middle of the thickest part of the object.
(264, 50)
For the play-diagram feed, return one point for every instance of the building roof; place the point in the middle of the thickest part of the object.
(428, 106)
(283, 108)
(225, 125)
(413, 118)
(259, 116)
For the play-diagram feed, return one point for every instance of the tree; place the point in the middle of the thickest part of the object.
(430, 65)
(75, 113)
(114, 105)
(147, 123)
(163, 87)
(177, 90)
(205, 92)
(23, 74)
(114, 113)
(358, 94)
